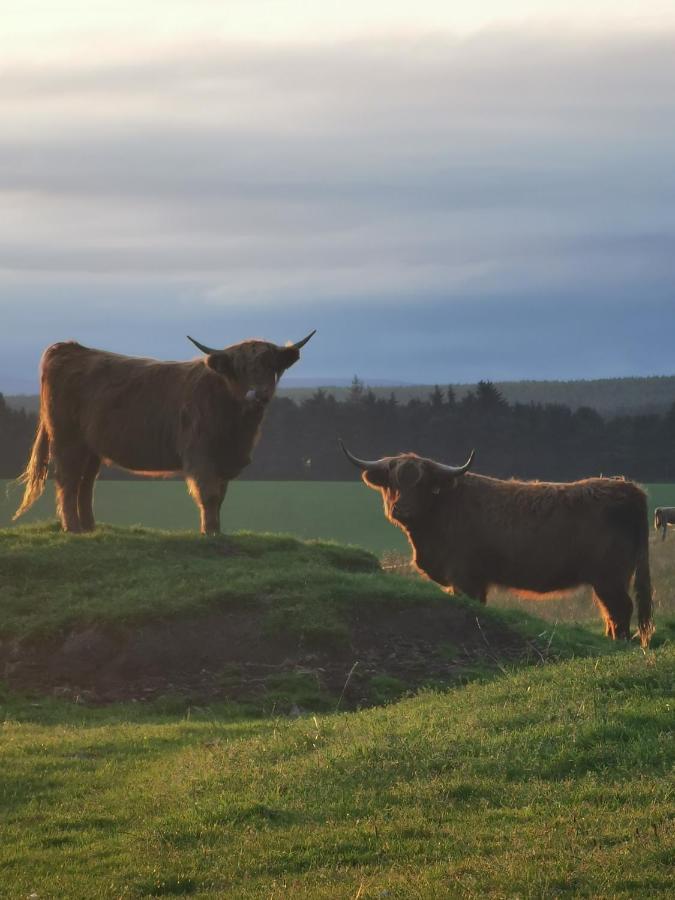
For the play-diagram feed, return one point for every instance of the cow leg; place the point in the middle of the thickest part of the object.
(471, 588)
(616, 607)
(208, 493)
(85, 494)
(69, 465)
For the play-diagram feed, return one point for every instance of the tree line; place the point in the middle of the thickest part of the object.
(526, 440)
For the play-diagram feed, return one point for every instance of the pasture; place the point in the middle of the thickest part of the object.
(346, 512)
(258, 717)
(548, 782)
(340, 511)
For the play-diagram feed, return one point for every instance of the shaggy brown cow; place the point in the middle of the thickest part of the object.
(198, 418)
(468, 532)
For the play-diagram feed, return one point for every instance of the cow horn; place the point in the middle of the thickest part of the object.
(202, 347)
(364, 464)
(455, 470)
(302, 343)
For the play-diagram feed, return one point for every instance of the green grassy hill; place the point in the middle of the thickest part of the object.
(174, 724)
(263, 619)
(553, 782)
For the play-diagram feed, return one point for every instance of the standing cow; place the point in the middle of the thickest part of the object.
(468, 532)
(663, 517)
(198, 418)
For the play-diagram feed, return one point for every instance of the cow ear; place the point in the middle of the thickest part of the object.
(377, 477)
(446, 484)
(222, 363)
(442, 483)
(287, 356)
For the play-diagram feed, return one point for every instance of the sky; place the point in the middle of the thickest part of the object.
(446, 192)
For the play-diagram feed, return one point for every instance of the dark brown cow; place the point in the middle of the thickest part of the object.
(469, 532)
(198, 418)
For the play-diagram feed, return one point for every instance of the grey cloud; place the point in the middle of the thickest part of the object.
(495, 66)
(343, 176)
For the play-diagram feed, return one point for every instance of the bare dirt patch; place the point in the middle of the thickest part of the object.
(226, 654)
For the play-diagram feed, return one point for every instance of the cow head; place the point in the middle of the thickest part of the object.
(253, 367)
(410, 485)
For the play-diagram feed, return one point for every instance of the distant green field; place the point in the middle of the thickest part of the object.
(341, 511)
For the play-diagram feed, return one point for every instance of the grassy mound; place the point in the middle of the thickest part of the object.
(546, 783)
(50, 581)
(126, 613)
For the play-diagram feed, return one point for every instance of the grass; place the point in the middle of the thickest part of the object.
(546, 783)
(50, 581)
(340, 511)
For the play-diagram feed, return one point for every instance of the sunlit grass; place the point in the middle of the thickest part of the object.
(544, 782)
(552, 782)
(51, 582)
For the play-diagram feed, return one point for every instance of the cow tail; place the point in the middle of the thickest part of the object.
(35, 476)
(643, 582)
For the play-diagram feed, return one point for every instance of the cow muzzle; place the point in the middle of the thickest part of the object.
(401, 512)
(260, 395)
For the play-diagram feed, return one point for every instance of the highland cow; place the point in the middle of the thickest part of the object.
(200, 419)
(469, 532)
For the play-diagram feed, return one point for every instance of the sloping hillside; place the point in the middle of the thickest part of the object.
(553, 782)
(268, 619)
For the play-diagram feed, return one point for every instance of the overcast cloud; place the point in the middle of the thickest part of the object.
(500, 205)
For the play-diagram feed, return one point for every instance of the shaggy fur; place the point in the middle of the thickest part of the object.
(470, 532)
(199, 418)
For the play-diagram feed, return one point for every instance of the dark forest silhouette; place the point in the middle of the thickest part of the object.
(547, 441)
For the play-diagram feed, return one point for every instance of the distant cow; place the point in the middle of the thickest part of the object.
(663, 517)
(198, 418)
(468, 532)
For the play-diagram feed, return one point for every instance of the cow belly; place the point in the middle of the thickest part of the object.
(149, 453)
(543, 583)
(541, 575)
(144, 467)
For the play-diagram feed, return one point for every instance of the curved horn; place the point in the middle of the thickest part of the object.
(302, 343)
(202, 347)
(364, 464)
(455, 470)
